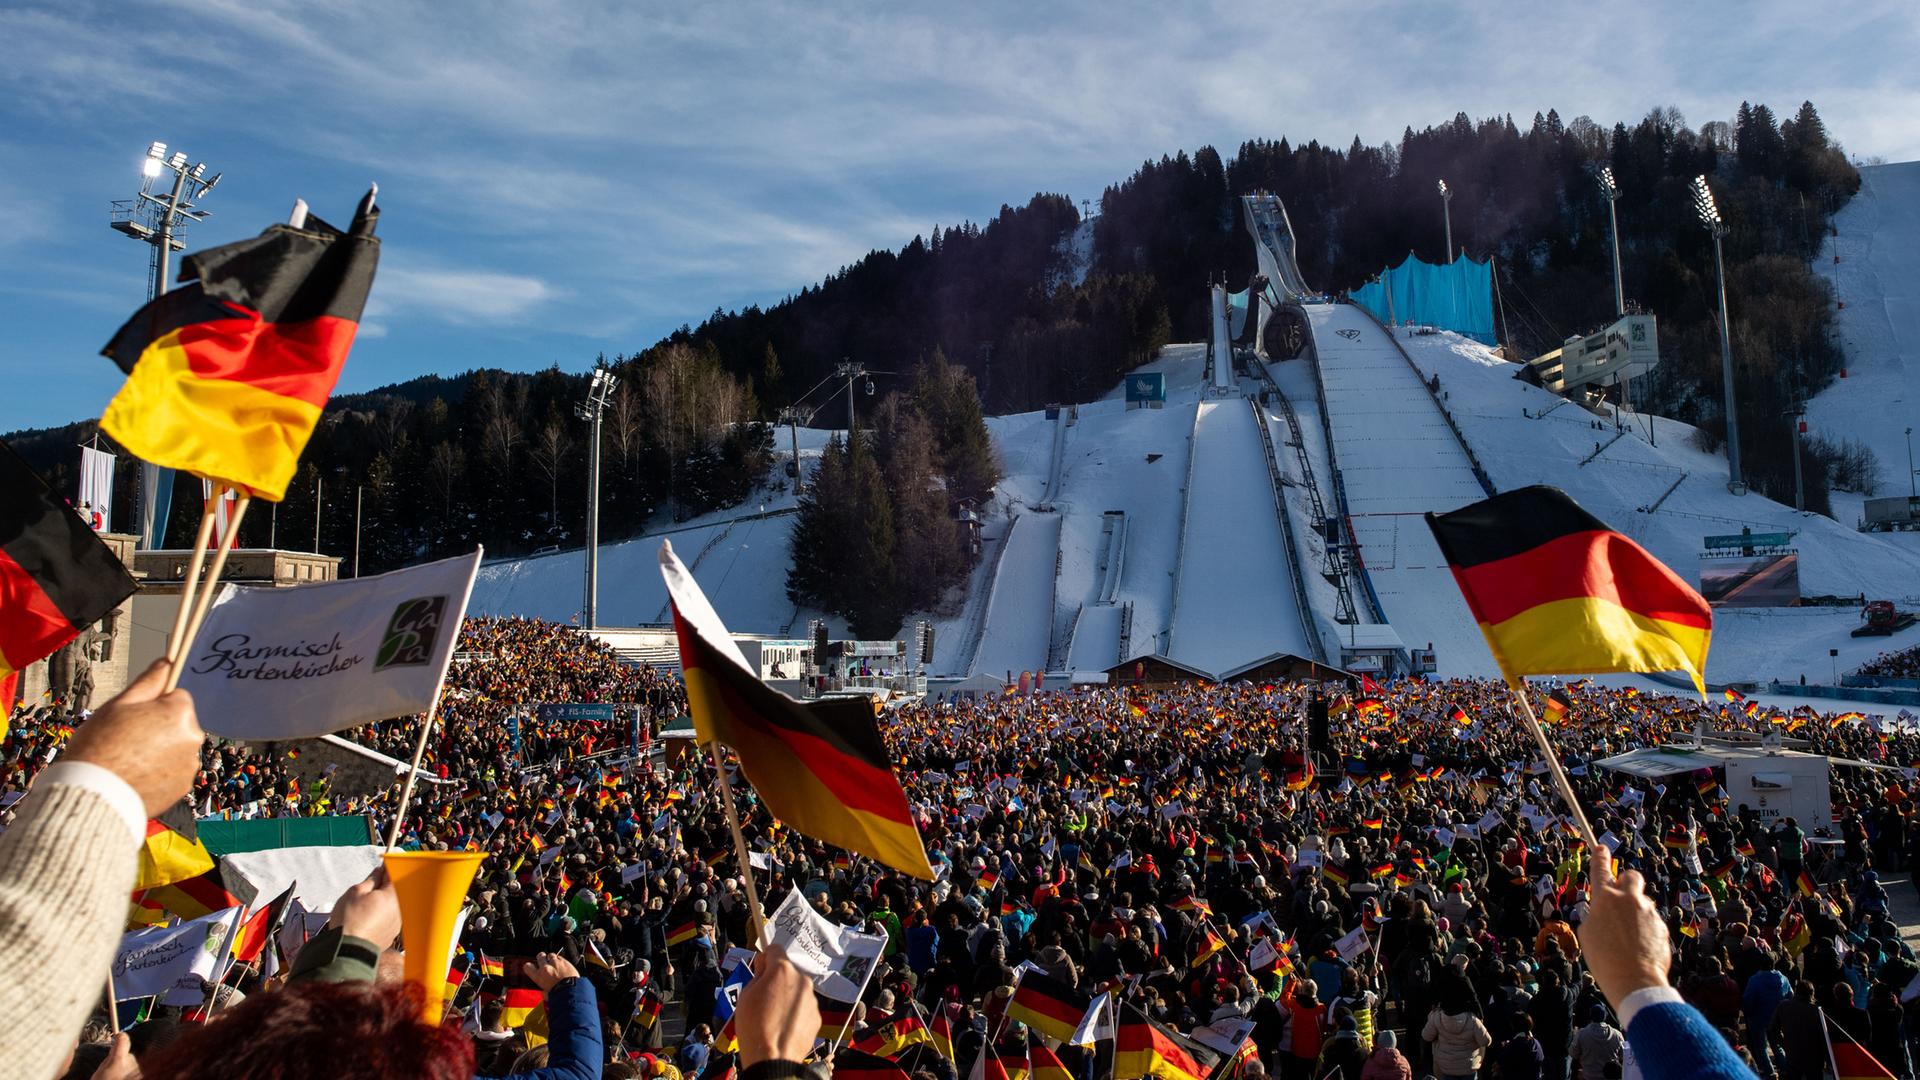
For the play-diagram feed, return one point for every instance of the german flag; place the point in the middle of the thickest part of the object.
(1143, 1048)
(894, 1036)
(56, 577)
(1368, 705)
(216, 890)
(1733, 695)
(854, 1064)
(1459, 716)
(1204, 949)
(1851, 1061)
(1722, 870)
(646, 1009)
(1134, 708)
(519, 1004)
(227, 375)
(835, 1016)
(172, 850)
(490, 966)
(1380, 870)
(1334, 873)
(683, 933)
(1047, 1005)
(1558, 706)
(1803, 884)
(1374, 822)
(1744, 847)
(1556, 592)
(941, 1029)
(1043, 1064)
(259, 929)
(819, 767)
(1190, 902)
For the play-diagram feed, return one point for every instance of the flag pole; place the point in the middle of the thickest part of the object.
(413, 770)
(758, 920)
(205, 597)
(190, 585)
(1560, 781)
(113, 1007)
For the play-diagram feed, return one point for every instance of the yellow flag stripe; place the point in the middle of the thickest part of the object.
(1582, 635)
(217, 428)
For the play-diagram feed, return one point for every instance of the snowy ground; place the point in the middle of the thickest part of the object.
(1877, 276)
(1524, 435)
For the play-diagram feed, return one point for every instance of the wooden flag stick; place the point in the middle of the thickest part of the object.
(190, 585)
(1560, 781)
(413, 770)
(739, 844)
(204, 599)
(113, 1007)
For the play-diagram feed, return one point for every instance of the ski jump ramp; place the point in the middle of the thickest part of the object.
(1019, 623)
(1398, 461)
(1236, 602)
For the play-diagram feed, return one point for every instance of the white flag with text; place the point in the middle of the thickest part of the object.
(313, 659)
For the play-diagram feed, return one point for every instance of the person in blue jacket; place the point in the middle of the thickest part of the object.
(1625, 943)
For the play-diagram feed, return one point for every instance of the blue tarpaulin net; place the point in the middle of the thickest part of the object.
(1457, 297)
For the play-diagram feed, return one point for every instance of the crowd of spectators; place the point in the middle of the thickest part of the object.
(1103, 837)
(1900, 664)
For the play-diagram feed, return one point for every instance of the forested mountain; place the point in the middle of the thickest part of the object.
(499, 458)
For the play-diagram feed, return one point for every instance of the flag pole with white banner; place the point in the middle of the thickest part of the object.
(96, 488)
(309, 660)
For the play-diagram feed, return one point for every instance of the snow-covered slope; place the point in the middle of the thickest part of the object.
(1872, 259)
(1524, 435)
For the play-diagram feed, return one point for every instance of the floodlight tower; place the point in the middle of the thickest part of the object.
(598, 392)
(1612, 193)
(1446, 212)
(160, 221)
(1703, 205)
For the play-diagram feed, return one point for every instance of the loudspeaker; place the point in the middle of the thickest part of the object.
(1319, 739)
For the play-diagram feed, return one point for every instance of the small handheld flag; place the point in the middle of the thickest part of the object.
(1557, 592)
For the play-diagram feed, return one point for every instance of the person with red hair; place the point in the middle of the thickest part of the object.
(320, 1029)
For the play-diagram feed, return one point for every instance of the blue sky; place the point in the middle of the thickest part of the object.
(565, 178)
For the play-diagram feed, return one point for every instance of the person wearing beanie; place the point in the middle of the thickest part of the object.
(1386, 1062)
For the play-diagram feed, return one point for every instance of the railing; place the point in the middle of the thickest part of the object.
(666, 606)
(977, 626)
(1671, 488)
(1602, 448)
(1307, 621)
(1335, 568)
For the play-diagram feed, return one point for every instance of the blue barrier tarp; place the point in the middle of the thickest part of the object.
(1457, 297)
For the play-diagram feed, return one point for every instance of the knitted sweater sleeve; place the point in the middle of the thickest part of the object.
(66, 872)
(1672, 1041)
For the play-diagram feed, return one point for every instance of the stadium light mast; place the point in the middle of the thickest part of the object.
(1446, 216)
(1710, 217)
(598, 392)
(1612, 192)
(159, 221)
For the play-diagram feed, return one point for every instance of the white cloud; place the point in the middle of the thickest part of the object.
(466, 297)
